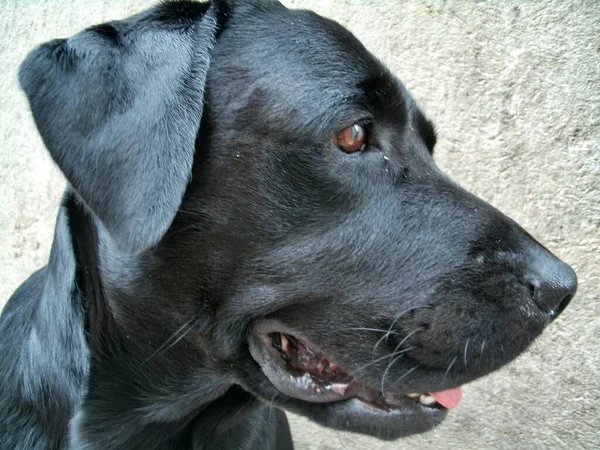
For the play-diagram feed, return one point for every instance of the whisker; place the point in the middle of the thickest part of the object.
(190, 212)
(241, 409)
(407, 337)
(380, 340)
(174, 338)
(395, 352)
(387, 370)
(481, 349)
(375, 361)
(406, 311)
(408, 372)
(271, 407)
(449, 367)
(376, 330)
(465, 352)
(396, 319)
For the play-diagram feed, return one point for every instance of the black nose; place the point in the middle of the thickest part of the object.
(552, 283)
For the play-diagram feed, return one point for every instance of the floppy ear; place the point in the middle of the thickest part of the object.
(119, 107)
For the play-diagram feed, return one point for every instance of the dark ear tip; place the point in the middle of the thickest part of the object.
(27, 69)
(38, 63)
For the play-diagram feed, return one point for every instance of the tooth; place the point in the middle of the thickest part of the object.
(276, 341)
(285, 343)
(412, 395)
(339, 388)
(427, 400)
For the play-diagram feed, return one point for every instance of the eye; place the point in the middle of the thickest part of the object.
(351, 139)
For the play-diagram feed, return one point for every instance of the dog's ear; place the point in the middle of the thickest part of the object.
(119, 107)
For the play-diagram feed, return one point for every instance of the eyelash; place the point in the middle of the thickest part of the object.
(367, 124)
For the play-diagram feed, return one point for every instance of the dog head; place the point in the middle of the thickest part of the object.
(269, 215)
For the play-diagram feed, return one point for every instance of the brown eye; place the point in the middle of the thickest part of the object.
(351, 139)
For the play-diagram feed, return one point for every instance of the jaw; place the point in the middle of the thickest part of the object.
(316, 386)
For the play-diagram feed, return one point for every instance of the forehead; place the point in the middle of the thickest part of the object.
(281, 60)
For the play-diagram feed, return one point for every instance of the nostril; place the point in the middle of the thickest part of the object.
(552, 287)
(533, 286)
(563, 304)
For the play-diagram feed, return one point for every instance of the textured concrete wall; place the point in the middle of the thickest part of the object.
(514, 88)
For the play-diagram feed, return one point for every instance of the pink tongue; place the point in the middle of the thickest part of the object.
(448, 398)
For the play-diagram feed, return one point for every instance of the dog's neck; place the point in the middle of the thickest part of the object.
(118, 394)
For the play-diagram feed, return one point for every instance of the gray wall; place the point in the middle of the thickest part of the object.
(514, 88)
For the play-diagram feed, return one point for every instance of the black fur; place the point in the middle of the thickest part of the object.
(205, 196)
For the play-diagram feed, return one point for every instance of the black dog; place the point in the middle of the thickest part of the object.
(253, 221)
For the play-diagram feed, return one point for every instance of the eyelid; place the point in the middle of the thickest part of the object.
(346, 119)
(365, 122)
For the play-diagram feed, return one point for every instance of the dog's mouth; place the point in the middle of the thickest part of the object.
(317, 378)
(300, 370)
